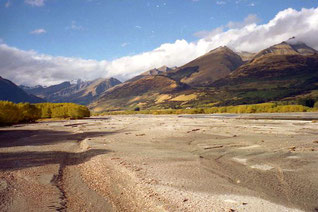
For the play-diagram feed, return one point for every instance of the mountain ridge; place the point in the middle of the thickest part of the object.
(11, 92)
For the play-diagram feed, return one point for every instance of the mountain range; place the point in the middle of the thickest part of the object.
(11, 92)
(220, 77)
(82, 92)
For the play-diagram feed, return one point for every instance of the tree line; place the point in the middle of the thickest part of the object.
(252, 108)
(11, 113)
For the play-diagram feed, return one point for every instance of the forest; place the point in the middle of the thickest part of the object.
(11, 113)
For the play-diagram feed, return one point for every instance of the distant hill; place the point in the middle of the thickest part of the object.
(80, 92)
(11, 92)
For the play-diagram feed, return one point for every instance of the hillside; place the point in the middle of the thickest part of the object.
(11, 92)
(208, 68)
(156, 71)
(290, 47)
(143, 92)
(269, 77)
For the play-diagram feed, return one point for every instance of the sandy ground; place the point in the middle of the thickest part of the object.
(160, 163)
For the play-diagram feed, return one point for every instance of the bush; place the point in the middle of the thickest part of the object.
(308, 102)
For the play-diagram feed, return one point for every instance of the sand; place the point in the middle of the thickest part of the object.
(160, 163)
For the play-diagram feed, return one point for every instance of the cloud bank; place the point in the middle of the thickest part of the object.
(32, 68)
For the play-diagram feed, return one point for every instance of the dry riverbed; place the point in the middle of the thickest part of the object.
(160, 163)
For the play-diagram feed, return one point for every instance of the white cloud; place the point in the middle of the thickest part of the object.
(38, 31)
(32, 68)
(124, 44)
(75, 26)
(220, 2)
(29, 67)
(35, 3)
(252, 4)
(250, 19)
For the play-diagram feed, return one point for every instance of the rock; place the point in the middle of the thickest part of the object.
(214, 147)
(293, 148)
(3, 185)
(140, 134)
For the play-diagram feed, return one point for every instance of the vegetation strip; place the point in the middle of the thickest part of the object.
(11, 113)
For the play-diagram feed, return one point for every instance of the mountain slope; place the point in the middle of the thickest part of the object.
(290, 47)
(11, 92)
(166, 87)
(208, 68)
(156, 71)
(271, 76)
(140, 92)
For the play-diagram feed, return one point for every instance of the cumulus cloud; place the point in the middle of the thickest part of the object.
(38, 31)
(35, 3)
(31, 68)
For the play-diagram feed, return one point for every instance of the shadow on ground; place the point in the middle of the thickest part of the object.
(12, 137)
(21, 160)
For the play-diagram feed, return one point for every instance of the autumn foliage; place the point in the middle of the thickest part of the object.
(11, 113)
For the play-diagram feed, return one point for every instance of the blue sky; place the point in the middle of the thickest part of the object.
(109, 29)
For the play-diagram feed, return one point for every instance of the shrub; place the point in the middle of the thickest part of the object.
(308, 102)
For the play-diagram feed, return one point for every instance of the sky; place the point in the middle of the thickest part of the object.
(50, 41)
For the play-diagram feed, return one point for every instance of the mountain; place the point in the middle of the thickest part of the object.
(156, 71)
(220, 77)
(208, 68)
(280, 71)
(290, 47)
(246, 56)
(45, 92)
(143, 92)
(165, 87)
(83, 92)
(11, 92)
